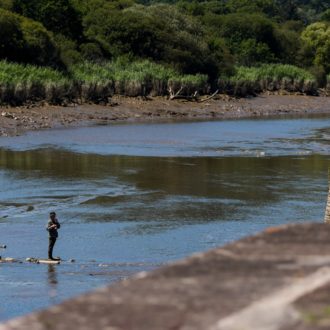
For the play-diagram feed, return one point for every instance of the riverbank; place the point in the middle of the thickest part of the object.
(17, 120)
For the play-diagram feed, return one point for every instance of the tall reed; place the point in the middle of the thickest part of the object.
(270, 77)
(90, 82)
(137, 78)
(94, 82)
(22, 83)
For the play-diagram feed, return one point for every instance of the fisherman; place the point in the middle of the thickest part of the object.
(52, 227)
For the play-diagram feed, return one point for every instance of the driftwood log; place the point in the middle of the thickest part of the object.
(194, 97)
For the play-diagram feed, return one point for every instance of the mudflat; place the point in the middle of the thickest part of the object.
(17, 120)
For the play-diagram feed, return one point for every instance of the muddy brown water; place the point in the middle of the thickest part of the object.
(133, 197)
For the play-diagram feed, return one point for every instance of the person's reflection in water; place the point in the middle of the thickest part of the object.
(52, 281)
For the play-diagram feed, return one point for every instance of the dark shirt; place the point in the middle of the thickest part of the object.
(53, 231)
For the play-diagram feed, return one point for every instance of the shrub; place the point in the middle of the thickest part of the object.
(24, 40)
(39, 45)
(23, 83)
(250, 80)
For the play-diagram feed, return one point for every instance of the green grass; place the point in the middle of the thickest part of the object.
(136, 78)
(90, 82)
(22, 83)
(271, 77)
(13, 73)
(276, 72)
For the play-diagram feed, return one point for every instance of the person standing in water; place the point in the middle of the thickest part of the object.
(52, 227)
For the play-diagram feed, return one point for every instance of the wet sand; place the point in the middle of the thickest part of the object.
(17, 120)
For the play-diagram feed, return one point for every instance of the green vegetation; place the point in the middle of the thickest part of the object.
(90, 82)
(26, 41)
(23, 83)
(140, 78)
(272, 77)
(142, 47)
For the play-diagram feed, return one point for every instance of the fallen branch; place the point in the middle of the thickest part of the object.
(210, 97)
(174, 95)
(177, 95)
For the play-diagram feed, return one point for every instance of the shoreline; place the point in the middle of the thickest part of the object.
(18, 120)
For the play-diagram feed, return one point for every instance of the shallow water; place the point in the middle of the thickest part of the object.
(188, 139)
(135, 197)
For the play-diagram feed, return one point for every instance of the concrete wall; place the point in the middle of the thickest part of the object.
(327, 210)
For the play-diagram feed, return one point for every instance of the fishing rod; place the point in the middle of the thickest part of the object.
(67, 220)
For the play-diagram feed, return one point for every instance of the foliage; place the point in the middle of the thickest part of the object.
(136, 78)
(269, 77)
(90, 82)
(58, 16)
(123, 33)
(158, 32)
(289, 42)
(11, 36)
(91, 51)
(145, 45)
(251, 37)
(6, 4)
(326, 15)
(39, 45)
(21, 83)
(316, 39)
(24, 40)
(267, 7)
(68, 50)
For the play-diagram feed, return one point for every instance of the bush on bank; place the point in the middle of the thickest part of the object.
(140, 78)
(26, 41)
(22, 83)
(272, 77)
(88, 82)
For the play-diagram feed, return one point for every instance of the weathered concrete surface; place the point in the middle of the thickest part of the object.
(278, 279)
(327, 209)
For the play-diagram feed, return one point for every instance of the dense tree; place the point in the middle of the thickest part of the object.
(123, 33)
(250, 37)
(24, 40)
(58, 16)
(39, 46)
(316, 42)
(11, 36)
(161, 33)
(192, 36)
(326, 15)
(6, 4)
(267, 7)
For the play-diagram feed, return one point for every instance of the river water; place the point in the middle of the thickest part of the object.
(132, 197)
